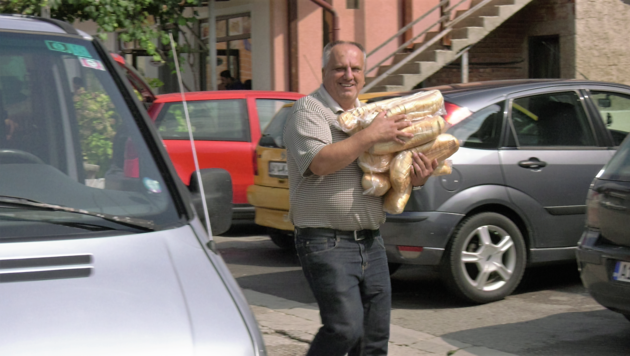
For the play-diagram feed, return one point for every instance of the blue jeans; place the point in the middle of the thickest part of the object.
(350, 281)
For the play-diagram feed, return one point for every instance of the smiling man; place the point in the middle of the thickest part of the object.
(337, 233)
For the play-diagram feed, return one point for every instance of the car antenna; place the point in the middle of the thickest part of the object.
(192, 141)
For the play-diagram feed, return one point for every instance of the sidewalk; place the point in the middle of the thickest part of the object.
(289, 326)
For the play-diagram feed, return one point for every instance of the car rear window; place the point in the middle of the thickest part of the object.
(618, 168)
(272, 136)
(211, 120)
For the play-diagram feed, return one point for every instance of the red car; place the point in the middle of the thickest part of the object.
(226, 126)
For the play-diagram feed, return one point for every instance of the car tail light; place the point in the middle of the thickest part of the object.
(131, 167)
(454, 113)
(410, 251)
(593, 199)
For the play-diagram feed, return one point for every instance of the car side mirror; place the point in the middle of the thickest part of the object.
(603, 103)
(217, 185)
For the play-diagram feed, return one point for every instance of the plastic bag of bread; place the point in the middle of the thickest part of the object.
(370, 163)
(443, 168)
(375, 184)
(423, 131)
(421, 104)
(394, 202)
(441, 148)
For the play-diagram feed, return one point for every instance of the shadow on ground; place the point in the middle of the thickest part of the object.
(601, 333)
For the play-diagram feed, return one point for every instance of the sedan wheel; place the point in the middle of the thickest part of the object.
(485, 260)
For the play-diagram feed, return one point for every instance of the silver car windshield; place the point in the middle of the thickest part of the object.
(68, 138)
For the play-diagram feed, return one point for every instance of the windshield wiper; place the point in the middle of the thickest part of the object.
(143, 224)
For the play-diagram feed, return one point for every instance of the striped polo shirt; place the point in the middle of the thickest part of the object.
(333, 201)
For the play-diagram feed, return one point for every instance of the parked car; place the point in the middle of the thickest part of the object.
(101, 249)
(529, 150)
(603, 253)
(227, 125)
(144, 91)
(270, 192)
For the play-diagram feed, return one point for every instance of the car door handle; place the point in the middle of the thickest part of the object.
(533, 162)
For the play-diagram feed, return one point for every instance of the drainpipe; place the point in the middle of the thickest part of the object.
(327, 7)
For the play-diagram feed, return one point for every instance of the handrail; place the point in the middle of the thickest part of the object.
(447, 29)
(408, 26)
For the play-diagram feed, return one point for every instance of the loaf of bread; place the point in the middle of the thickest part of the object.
(441, 148)
(394, 202)
(423, 131)
(424, 102)
(443, 168)
(375, 184)
(421, 104)
(370, 163)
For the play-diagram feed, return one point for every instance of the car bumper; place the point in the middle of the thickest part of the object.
(243, 212)
(597, 263)
(405, 233)
(277, 219)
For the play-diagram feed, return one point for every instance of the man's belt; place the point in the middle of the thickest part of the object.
(356, 235)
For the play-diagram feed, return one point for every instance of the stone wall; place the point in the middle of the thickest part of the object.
(602, 43)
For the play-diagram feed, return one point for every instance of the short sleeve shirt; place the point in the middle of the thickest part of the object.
(335, 200)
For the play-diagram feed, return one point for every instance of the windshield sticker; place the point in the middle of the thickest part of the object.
(152, 185)
(92, 63)
(77, 50)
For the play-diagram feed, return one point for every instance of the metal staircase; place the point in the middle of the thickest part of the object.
(414, 62)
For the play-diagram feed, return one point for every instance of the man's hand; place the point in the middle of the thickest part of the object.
(421, 169)
(388, 128)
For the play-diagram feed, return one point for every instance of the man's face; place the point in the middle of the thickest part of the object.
(344, 75)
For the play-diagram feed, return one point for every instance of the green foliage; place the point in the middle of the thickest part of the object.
(154, 82)
(97, 122)
(141, 20)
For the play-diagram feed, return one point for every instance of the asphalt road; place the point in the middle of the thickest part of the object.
(550, 313)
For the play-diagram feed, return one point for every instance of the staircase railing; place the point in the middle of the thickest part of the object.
(447, 27)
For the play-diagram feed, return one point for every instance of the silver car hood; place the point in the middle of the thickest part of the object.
(152, 293)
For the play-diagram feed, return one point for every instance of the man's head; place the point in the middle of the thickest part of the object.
(343, 71)
(226, 77)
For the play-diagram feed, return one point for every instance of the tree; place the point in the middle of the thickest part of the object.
(143, 21)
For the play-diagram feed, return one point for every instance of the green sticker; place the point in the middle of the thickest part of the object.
(70, 48)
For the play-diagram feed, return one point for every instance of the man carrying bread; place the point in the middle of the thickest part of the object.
(336, 226)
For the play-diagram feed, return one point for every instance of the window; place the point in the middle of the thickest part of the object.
(482, 129)
(234, 50)
(555, 119)
(267, 108)
(211, 120)
(614, 109)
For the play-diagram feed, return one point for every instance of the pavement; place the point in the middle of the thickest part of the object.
(289, 326)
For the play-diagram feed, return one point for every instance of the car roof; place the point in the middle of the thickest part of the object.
(226, 94)
(477, 95)
(15, 22)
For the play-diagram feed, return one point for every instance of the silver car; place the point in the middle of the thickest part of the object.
(101, 248)
(529, 150)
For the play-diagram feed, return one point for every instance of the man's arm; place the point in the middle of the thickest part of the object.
(338, 155)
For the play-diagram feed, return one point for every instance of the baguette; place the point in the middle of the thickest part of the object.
(427, 102)
(443, 168)
(370, 163)
(423, 131)
(394, 202)
(441, 148)
(350, 121)
(375, 184)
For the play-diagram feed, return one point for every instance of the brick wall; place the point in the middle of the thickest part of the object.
(503, 54)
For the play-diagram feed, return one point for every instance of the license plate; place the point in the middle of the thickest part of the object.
(622, 271)
(278, 170)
